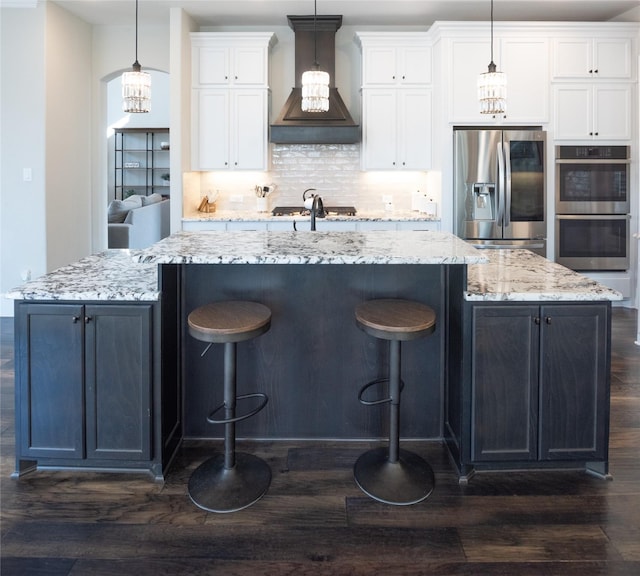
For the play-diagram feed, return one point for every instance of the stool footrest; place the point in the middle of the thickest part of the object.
(369, 385)
(253, 412)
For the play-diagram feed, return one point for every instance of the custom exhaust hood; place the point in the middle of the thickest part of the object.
(294, 126)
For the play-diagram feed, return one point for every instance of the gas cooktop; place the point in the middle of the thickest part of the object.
(300, 211)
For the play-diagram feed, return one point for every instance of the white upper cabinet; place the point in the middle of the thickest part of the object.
(230, 59)
(231, 132)
(396, 101)
(229, 103)
(396, 129)
(390, 58)
(587, 112)
(594, 58)
(525, 61)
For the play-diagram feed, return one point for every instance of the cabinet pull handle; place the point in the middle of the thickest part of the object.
(547, 319)
(393, 77)
(595, 71)
(591, 71)
(87, 319)
(537, 320)
(75, 319)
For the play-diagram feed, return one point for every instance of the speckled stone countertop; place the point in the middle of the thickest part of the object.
(305, 247)
(361, 216)
(119, 275)
(110, 275)
(521, 275)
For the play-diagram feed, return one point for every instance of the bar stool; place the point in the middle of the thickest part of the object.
(389, 474)
(234, 480)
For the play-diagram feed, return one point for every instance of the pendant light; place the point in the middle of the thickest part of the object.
(315, 82)
(492, 86)
(136, 85)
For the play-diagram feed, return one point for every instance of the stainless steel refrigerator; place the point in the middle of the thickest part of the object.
(500, 190)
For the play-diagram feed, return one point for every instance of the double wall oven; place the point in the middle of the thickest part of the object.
(592, 207)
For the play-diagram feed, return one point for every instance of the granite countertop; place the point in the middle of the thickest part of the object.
(361, 216)
(306, 247)
(506, 275)
(521, 275)
(109, 276)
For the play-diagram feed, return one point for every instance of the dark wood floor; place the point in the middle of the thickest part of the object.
(314, 520)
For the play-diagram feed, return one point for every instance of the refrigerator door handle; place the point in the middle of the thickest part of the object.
(507, 180)
(500, 183)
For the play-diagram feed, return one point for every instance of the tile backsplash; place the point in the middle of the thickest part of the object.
(332, 169)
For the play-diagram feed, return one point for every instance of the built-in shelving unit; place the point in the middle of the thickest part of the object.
(141, 162)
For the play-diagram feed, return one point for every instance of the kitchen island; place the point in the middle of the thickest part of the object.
(313, 360)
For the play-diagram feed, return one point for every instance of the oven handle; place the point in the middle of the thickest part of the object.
(596, 161)
(593, 216)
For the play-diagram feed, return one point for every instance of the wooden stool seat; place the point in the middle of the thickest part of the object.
(232, 321)
(389, 474)
(234, 480)
(391, 319)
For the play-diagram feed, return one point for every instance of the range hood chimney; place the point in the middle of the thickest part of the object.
(335, 126)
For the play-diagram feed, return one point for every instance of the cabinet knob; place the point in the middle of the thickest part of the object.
(536, 320)
(403, 77)
(595, 71)
(87, 319)
(235, 77)
(75, 319)
(590, 71)
(547, 319)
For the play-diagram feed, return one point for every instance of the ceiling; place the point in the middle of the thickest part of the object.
(354, 12)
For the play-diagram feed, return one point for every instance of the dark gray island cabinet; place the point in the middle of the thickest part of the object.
(90, 392)
(533, 386)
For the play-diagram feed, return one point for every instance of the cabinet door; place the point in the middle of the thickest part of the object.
(573, 112)
(249, 65)
(249, 130)
(415, 65)
(612, 112)
(118, 382)
(573, 58)
(414, 138)
(210, 130)
(528, 86)
(211, 66)
(612, 58)
(50, 381)
(469, 59)
(379, 65)
(574, 382)
(379, 136)
(504, 387)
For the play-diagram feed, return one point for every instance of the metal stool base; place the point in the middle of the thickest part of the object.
(407, 481)
(215, 488)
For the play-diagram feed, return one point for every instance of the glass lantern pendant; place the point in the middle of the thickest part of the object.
(315, 82)
(136, 85)
(315, 91)
(492, 91)
(492, 86)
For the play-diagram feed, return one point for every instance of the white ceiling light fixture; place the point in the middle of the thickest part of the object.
(315, 82)
(492, 86)
(136, 85)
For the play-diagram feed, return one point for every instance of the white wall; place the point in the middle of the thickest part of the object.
(43, 99)
(67, 138)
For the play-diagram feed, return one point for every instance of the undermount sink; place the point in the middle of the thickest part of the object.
(301, 211)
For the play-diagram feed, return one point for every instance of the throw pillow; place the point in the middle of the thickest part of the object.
(151, 199)
(118, 209)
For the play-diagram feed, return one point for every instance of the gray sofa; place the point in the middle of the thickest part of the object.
(138, 221)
